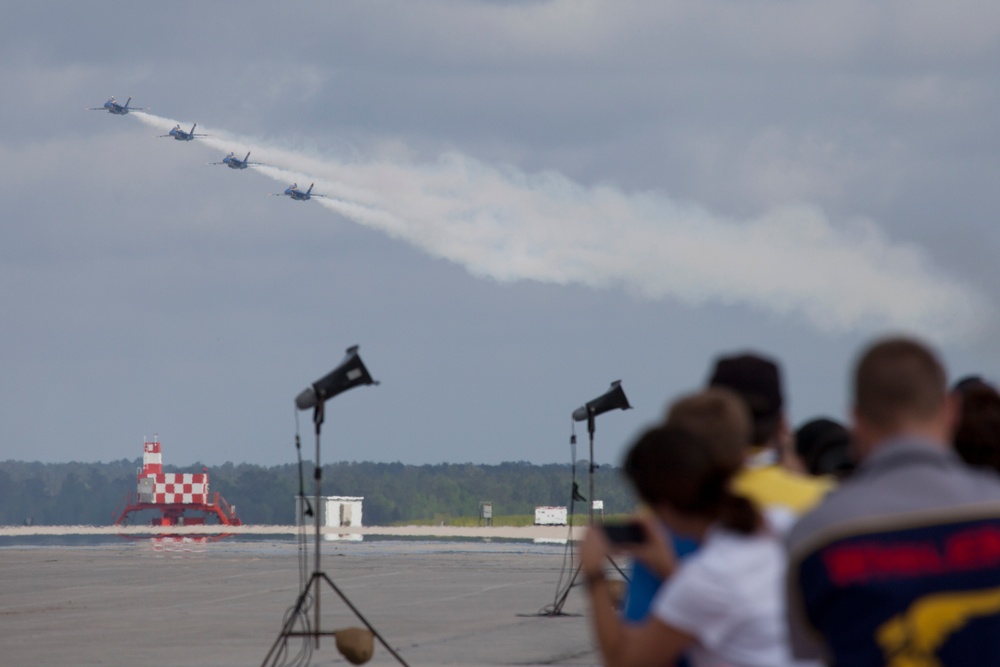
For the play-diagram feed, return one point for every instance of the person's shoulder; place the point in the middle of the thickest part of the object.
(982, 481)
(807, 486)
(832, 509)
(727, 554)
(779, 520)
(880, 502)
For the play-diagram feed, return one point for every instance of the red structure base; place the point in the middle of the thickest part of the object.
(177, 514)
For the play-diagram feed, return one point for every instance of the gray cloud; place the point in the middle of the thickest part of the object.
(143, 290)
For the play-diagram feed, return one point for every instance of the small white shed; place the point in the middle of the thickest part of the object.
(343, 510)
(334, 512)
(550, 516)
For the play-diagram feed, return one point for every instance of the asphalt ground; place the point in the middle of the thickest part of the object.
(150, 602)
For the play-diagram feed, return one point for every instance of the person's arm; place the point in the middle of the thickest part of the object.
(651, 644)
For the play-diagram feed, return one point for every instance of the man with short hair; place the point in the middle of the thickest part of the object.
(901, 564)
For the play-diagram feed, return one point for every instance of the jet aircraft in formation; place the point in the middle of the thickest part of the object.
(298, 195)
(180, 135)
(118, 109)
(231, 161)
(234, 162)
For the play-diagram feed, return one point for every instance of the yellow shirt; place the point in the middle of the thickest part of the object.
(770, 485)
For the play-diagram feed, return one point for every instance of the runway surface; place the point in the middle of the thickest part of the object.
(177, 602)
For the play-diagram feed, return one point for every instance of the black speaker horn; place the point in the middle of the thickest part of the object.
(613, 399)
(349, 374)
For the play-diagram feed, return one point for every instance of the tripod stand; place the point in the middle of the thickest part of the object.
(556, 608)
(315, 584)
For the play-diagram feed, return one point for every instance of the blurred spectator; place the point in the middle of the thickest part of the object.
(900, 565)
(761, 426)
(723, 605)
(969, 382)
(977, 437)
(757, 380)
(824, 448)
(721, 420)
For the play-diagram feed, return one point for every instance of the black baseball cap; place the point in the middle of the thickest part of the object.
(755, 378)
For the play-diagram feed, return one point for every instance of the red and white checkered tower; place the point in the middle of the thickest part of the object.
(173, 495)
(168, 488)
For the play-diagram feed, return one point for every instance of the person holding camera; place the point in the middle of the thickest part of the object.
(724, 604)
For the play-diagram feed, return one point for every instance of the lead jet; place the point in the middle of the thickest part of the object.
(117, 109)
(296, 194)
(180, 135)
(234, 162)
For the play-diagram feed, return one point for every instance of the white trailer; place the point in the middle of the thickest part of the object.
(550, 516)
(334, 512)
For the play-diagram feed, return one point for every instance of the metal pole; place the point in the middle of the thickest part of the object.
(591, 427)
(318, 420)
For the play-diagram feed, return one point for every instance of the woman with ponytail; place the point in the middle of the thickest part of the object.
(723, 605)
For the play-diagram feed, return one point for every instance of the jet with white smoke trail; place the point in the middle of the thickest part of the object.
(115, 108)
(296, 194)
(503, 224)
(183, 135)
(234, 162)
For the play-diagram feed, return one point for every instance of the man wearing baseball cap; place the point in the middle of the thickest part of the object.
(757, 380)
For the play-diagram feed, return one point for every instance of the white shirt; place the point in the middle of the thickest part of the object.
(730, 596)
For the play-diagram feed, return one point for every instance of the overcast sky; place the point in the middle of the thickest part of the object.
(527, 201)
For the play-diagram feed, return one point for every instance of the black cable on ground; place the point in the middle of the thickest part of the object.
(567, 562)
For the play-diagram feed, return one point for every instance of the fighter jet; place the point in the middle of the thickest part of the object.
(180, 135)
(296, 194)
(118, 109)
(234, 162)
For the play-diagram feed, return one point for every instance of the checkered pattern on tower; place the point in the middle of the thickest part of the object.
(186, 488)
(169, 488)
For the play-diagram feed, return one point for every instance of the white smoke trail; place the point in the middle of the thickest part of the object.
(507, 225)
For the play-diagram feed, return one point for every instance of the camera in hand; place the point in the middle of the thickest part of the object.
(631, 532)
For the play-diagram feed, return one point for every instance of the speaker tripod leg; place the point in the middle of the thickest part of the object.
(315, 632)
(286, 630)
(362, 618)
(561, 600)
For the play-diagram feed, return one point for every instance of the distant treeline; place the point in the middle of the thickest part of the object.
(93, 493)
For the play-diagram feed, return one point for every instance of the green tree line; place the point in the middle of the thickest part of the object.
(94, 493)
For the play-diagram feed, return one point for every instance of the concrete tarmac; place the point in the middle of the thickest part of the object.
(177, 602)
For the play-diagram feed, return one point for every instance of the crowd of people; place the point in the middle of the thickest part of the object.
(871, 543)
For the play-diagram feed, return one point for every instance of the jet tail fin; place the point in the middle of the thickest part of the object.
(192, 127)
(310, 188)
(126, 102)
(247, 157)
